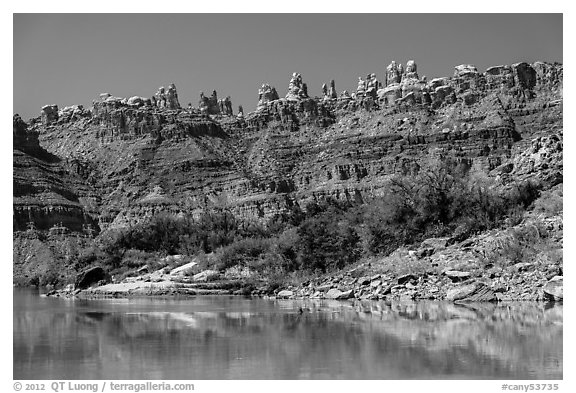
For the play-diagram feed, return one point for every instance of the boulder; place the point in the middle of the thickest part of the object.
(553, 289)
(185, 269)
(333, 293)
(89, 276)
(206, 275)
(424, 252)
(474, 292)
(437, 243)
(405, 278)
(523, 266)
(284, 294)
(456, 275)
(339, 295)
(324, 287)
(386, 290)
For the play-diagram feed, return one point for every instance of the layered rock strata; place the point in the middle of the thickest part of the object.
(296, 149)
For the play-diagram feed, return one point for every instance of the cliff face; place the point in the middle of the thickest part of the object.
(47, 192)
(123, 160)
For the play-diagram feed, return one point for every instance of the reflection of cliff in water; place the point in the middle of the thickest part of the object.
(328, 340)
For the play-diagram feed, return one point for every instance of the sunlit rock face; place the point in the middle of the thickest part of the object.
(290, 150)
(297, 89)
(49, 114)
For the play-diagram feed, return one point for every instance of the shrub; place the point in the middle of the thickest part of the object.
(550, 202)
(441, 200)
(242, 252)
(327, 242)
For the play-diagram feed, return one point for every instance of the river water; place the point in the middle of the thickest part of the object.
(237, 338)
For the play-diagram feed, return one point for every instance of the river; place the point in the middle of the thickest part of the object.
(237, 338)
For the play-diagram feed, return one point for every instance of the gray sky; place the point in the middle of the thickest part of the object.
(68, 59)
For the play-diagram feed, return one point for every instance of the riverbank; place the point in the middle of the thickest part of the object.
(521, 263)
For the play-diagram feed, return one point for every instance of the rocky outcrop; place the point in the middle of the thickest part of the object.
(266, 94)
(339, 295)
(89, 277)
(289, 151)
(475, 292)
(226, 106)
(542, 162)
(297, 89)
(209, 105)
(139, 101)
(392, 90)
(72, 113)
(172, 97)
(332, 94)
(285, 294)
(49, 114)
(167, 98)
(22, 138)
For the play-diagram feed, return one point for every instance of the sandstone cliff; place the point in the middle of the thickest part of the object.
(295, 149)
(48, 190)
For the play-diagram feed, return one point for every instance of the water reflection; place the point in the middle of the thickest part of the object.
(222, 338)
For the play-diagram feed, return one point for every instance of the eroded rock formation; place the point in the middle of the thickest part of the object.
(297, 89)
(266, 94)
(49, 114)
(172, 97)
(295, 149)
(332, 92)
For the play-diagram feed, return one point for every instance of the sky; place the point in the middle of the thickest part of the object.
(69, 59)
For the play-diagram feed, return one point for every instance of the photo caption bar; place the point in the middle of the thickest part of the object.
(102, 386)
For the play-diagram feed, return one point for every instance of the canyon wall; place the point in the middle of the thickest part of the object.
(126, 159)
